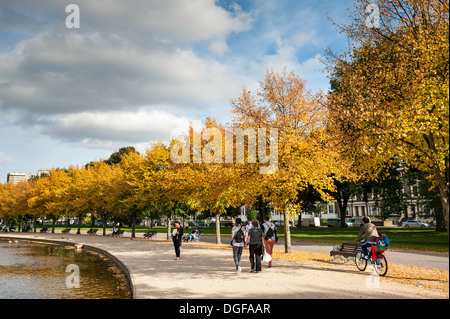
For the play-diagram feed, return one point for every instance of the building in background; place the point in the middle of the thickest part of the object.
(16, 178)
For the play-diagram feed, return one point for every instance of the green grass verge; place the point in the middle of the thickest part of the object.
(424, 239)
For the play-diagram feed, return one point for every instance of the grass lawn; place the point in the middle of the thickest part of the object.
(425, 239)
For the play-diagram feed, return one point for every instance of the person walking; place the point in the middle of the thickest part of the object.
(255, 243)
(177, 235)
(270, 237)
(247, 228)
(238, 234)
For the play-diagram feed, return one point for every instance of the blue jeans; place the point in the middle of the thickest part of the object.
(364, 245)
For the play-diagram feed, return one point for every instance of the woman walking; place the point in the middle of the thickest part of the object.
(255, 242)
(238, 234)
(177, 235)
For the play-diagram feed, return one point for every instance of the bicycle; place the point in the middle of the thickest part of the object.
(380, 262)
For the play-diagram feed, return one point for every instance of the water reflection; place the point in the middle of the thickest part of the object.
(31, 270)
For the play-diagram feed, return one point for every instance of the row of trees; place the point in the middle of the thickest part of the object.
(388, 103)
(390, 90)
(155, 181)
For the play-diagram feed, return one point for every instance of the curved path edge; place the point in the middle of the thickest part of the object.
(123, 268)
(206, 273)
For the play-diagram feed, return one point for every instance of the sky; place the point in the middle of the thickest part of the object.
(135, 72)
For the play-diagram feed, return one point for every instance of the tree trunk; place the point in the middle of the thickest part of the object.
(79, 226)
(34, 224)
(218, 240)
(443, 195)
(299, 221)
(342, 204)
(104, 225)
(287, 233)
(168, 226)
(53, 225)
(133, 226)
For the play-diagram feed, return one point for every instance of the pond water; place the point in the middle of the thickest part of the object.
(30, 270)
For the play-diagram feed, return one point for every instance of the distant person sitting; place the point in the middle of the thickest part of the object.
(114, 231)
(192, 235)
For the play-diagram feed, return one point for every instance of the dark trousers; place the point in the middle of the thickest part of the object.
(237, 254)
(177, 248)
(255, 256)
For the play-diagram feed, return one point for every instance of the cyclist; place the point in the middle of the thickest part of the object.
(370, 233)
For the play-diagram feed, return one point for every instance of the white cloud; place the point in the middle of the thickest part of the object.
(4, 158)
(219, 47)
(83, 85)
(66, 73)
(139, 71)
(94, 129)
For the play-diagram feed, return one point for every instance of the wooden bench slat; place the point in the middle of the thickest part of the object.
(347, 249)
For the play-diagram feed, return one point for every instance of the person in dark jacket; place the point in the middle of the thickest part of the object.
(255, 244)
(177, 235)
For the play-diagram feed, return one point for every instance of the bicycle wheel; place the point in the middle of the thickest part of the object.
(381, 265)
(360, 262)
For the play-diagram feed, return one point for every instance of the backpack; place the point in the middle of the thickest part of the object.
(269, 233)
(383, 243)
(239, 236)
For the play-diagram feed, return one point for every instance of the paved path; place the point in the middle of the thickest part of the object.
(206, 273)
(402, 257)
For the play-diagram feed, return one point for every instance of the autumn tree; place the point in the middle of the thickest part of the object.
(304, 157)
(116, 157)
(392, 89)
(47, 194)
(6, 201)
(204, 179)
(102, 184)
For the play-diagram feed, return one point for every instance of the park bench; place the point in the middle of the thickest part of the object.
(150, 234)
(65, 231)
(347, 250)
(118, 233)
(92, 231)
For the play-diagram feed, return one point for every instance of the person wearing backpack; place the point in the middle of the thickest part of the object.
(255, 244)
(270, 237)
(238, 235)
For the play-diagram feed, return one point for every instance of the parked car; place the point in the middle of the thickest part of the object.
(414, 223)
(203, 224)
(336, 222)
(354, 222)
(404, 219)
(281, 224)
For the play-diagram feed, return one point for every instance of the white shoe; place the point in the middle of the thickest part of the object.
(238, 271)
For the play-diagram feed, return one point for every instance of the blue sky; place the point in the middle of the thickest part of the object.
(139, 71)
